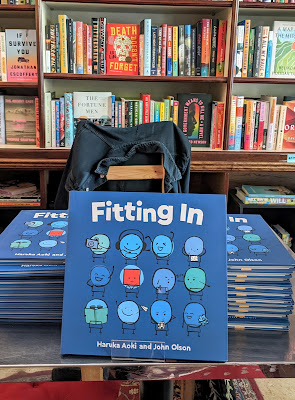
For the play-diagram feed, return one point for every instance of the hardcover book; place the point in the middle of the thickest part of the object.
(151, 276)
(289, 129)
(283, 50)
(95, 106)
(268, 191)
(21, 55)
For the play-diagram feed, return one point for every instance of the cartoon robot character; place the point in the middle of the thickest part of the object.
(34, 224)
(96, 314)
(258, 249)
(195, 282)
(131, 244)
(47, 244)
(194, 249)
(128, 313)
(245, 228)
(20, 244)
(161, 314)
(162, 247)
(251, 237)
(100, 276)
(99, 245)
(163, 281)
(231, 248)
(230, 238)
(29, 233)
(58, 224)
(194, 316)
(132, 278)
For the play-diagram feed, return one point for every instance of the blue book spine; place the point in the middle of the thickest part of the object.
(147, 46)
(154, 62)
(57, 122)
(188, 51)
(269, 54)
(140, 118)
(113, 111)
(69, 120)
(157, 112)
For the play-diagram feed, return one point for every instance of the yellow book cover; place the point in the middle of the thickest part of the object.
(162, 111)
(79, 44)
(246, 48)
(175, 112)
(175, 50)
(248, 124)
(232, 123)
(62, 20)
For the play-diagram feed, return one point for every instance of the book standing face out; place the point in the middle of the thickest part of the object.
(150, 270)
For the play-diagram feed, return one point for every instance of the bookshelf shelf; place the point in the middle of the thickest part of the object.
(174, 3)
(270, 6)
(10, 7)
(267, 81)
(6, 85)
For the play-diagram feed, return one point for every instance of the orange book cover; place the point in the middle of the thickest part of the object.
(221, 48)
(122, 49)
(141, 54)
(79, 44)
(289, 131)
(206, 46)
(220, 122)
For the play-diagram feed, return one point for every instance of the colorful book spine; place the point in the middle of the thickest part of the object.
(47, 48)
(147, 46)
(240, 49)
(62, 122)
(85, 48)
(152, 111)
(69, 120)
(248, 121)
(175, 51)
(162, 111)
(187, 50)
(261, 125)
(214, 35)
(94, 45)
(181, 50)
(206, 41)
(2, 120)
(141, 54)
(263, 53)
(232, 124)
(79, 41)
(70, 45)
(276, 126)
(251, 53)
(146, 99)
(157, 111)
(53, 123)
(130, 113)
(126, 113)
(52, 48)
(269, 54)
(57, 122)
(37, 118)
(166, 110)
(102, 46)
(159, 62)
(254, 105)
(194, 51)
(57, 49)
(154, 61)
(89, 50)
(257, 50)
(247, 24)
(113, 107)
(169, 51)
(140, 111)
(171, 102)
(175, 112)
(239, 122)
(244, 124)
(47, 118)
(219, 125)
(213, 131)
(220, 58)
(164, 49)
(281, 128)
(199, 48)
(74, 47)
(63, 43)
(265, 127)
(123, 111)
(256, 125)
(116, 114)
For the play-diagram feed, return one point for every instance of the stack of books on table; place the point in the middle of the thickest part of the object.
(14, 193)
(266, 195)
(32, 259)
(260, 267)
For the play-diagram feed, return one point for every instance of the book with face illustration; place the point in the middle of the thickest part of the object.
(150, 270)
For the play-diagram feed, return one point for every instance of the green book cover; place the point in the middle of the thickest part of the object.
(167, 110)
(282, 63)
(140, 111)
(251, 53)
(157, 111)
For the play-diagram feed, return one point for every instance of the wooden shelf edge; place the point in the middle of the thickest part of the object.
(12, 7)
(271, 6)
(5, 85)
(174, 3)
(270, 81)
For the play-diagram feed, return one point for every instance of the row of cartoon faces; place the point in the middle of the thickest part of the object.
(132, 242)
(129, 312)
(163, 279)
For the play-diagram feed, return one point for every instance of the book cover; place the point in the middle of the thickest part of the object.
(57, 49)
(276, 125)
(48, 96)
(247, 25)
(213, 131)
(152, 111)
(239, 122)
(157, 111)
(136, 112)
(271, 120)
(62, 122)
(253, 119)
(159, 62)
(102, 45)
(113, 100)
(195, 117)
(265, 127)
(79, 41)
(57, 123)
(219, 125)
(3, 57)
(47, 48)
(269, 54)
(214, 38)
(69, 26)
(21, 55)
(221, 47)
(141, 54)
(154, 50)
(53, 123)
(267, 191)
(263, 52)
(84, 48)
(248, 120)
(122, 49)
(94, 45)
(251, 53)
(232, 124)
(194, 50)
(130, 306)
(251, 242)
(35, 235)
(69, 120)
(146, 29)
(199, 48)
(89, 49)
(164, 49)
(187, 50)
(37, 118)
(257, 50)
(256, 125)
(62, 20)
(240, 49)
(2, 120)
(261, 124)
(146, 98)
(181, 50)
(20, 120)
(95, 106)
(175, 111)
(169, 51)
(283, 48)
(206, 44)
(175, 50)
(289, 129)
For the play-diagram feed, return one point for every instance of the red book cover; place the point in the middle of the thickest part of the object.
(146, 98)
(289, 131)
(89, 49)
(164, 49)
(122, 49)
(85, 48)
(220, 123)
(37, 122)
(214, 125)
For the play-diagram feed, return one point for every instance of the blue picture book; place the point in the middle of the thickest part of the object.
(251, 242)
(150, 273)
(34, 236)
(268, 191)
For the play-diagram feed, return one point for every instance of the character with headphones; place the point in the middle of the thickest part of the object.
(131, 244)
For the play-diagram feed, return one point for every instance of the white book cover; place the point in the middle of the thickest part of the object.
(271, 120)
(2, 121)
(53, 124)
(263, 53)
(281, 128)
(152, 111)
(276, 126)
(47, 115)
(283, 54)
(240, 48)
(95, 106)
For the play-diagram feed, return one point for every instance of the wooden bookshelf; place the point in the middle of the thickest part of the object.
(15, 85)
(12, 8)
(266, 81)
(267, 6)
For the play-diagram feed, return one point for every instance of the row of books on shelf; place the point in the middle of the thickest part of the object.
(18, 55)
(18, 2)
(136, 49)
(268, 1)
(19, 120)
(262, 124)
(265, 195)
(192, 112)
(15, 193)
(283, 234)
(265, 53)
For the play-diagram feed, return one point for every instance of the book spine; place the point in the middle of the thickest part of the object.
(154, 50)
(74, 47)
(166, 110)
(187, 50)
(261, 125)
(57, 122)
(102, 46)
(119, 114)
(175, 112)
(246, 47)
(141, 54)
(276, 125)
(89, 50)
(94, 45)
(239, 122)
(127, 113)
(175, 51)
(214, 33)
(251, 53)
(152, 111)
(116, 114)
(47, 119)
(169, 51)
(213, 132)
(220, 125)
(123, 112)
(159, 62)
(2, 120)
(157, 111)
(146, 98)
(113, 107)
(140, 113)
(164, 49)
(63, 44)
(269, 54)
(244, 124)
(79, 41)
(281, 128)
(271, 127)
(240, 47)
(206, 41)
(220, 58)
(232, 125)
(69, 120)
(147, 46)
(194, 51)
(70, 46)
(136, 112)
(254, 104)
(47, 49)
(162, 111)
(84, 48)
(131, 113)
(257, 51)
(171, 101)
(265, 127)
(256, 126)
(52, 49)
(199, 48)
(57, 49)
(62, 121)
(263, 52)
(53, 124)
(248, 125)
(181, 50)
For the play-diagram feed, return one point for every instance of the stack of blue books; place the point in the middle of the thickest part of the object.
(32, 262)
(260, 267)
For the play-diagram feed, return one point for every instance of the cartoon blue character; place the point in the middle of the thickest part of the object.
(99, 245)
(128, 312)
(245, 228)
(59, 224)
(29, 233)
(194, 316)
(163, 247)
(230, 238)
(251, 237)
(47, 244)
(34, 224)
(161, 314)
(132, 278)
(195, 281)
(258, 249)
(131, 244)
(96, 314)
(20, 244)
(100, 276)
(231, 248)
(194, 249)
(163, 281)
